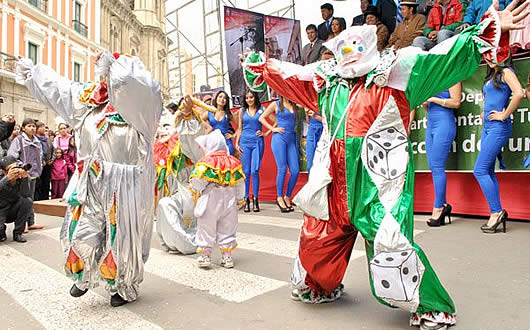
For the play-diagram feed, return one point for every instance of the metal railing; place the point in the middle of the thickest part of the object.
(81, 28)
(41, 4)
(7, 62)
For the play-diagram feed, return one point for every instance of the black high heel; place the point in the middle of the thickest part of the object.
(255, 204)
(282, 209)
(289, 207)
(446, 212)
(503, 216)
(247, 205)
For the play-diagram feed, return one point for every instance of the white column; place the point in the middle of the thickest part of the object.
(17, 33)
(89, 17)
(4, 29)
(98, 22)
(50, 5)
(67, 12)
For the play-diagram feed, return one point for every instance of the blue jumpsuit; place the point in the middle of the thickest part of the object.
(314, 132)
(441, 132)
(285, 151)
(495, 134)
(223, 125)
(252, 150)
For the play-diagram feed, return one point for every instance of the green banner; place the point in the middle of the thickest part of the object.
(466, 146)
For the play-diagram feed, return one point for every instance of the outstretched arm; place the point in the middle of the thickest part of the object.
(49, 88)
(292, 81)
(133, 92)
(423, 74)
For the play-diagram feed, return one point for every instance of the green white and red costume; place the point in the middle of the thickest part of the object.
(370, 158)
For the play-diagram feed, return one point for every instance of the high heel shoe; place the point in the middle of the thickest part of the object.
(255, 204)
(289, 207)
(493, 229)
(247, 205)
(282, 209)
(446, 212)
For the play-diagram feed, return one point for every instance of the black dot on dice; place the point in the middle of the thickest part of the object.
(376, 261)
(370, 146)
(377, 136)
(385, 284)
(381, 154)
(375, 159)
(405, 270)
(415, 278)
(404, 253)
(390, 130)
(371, 164)
(383, 171)
(406, 148)
(389, 259)
(387, 144)
(393, 172)
(401, 137)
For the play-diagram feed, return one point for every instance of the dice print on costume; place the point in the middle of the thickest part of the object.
(387, 152)
(396, 275)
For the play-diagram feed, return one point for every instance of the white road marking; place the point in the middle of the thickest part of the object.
(43, 292)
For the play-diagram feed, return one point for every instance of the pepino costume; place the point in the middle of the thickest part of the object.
(217, 183)
(107, 229)
(365, 98)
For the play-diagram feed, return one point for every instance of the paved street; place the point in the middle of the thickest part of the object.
(488, 276)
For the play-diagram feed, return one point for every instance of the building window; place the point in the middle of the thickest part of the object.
(77, 72)
(32, 52)
(77, 11)
(41, 4)
(78, 26)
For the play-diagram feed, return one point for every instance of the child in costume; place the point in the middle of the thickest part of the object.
(108, 225)
(217, 183)
(365, 100)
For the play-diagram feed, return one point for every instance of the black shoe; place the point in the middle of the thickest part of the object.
(247, 205)
(446, 212)
(19, 238)
(76, 292)
(3, 235)
(289, 207)
(255, 204)
(282, 209)
(116, 300)
(500, 219)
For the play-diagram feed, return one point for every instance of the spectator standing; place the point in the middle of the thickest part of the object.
(27, 148)
(411, 27)
(389, 13)
(314, 49)
(70, 157)
(337, 27)
(372, 18)
(444, 18)
(42, 190)
(359, 19)
(59, 174)
(7, 125)
(63, 138)
(16, 132)
(327, 15)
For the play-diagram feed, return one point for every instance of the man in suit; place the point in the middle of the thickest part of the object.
(314, 49)
(327, 15)
(388, 13)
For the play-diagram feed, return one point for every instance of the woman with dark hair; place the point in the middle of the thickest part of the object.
(70, 155)
(336, 28)
(441, 132)
(500, 83)
(251, 144)
(62, 140)
(221, 119)
(284, 148)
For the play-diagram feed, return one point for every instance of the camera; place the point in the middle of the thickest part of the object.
(22, 166)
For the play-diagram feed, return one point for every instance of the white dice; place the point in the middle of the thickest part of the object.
(396, 275)
(387, 153)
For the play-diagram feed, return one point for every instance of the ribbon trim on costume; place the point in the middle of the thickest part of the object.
(219, 168)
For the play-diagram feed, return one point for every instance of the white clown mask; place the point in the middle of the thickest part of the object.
(355, 51)
(215, 141)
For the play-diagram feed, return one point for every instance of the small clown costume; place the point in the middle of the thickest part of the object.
(217, 183)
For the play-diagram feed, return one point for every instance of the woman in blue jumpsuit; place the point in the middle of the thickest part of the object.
(251, 144)
(221, 119)
(284, 148)
(500, 83)
(441, 132)
(314, 131)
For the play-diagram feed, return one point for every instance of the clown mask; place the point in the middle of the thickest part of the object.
(355, 51)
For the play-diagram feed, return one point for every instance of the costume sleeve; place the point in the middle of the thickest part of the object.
(292, 81)
(197, 185)
(423, 74)
(49, 88)
(133, 92)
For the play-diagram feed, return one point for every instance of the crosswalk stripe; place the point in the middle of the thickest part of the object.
(276, 246)
(41, 291)
(228, 284)
(271, 221)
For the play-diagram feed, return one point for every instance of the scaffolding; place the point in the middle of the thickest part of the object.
(195, 57)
